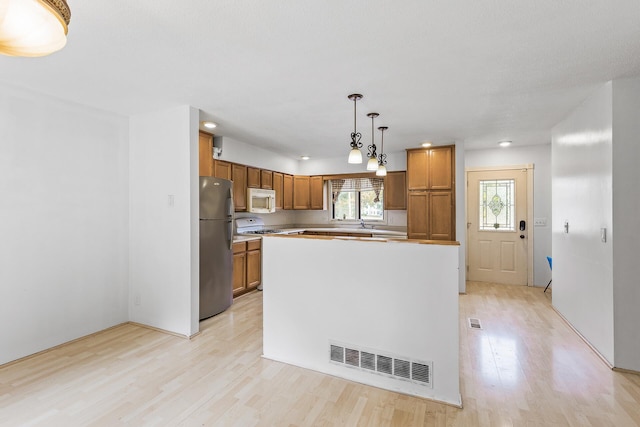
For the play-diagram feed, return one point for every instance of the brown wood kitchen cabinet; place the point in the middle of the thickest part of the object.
(301, 195)
(239, 267)
(316, 194)
(395, 191)
(253, 177)
(287, 192)
(431, 206)
(205, 150)
(239, 178)
(278, 186)
(254, 263)
(247, 266)
(222, 169)
(266, 179)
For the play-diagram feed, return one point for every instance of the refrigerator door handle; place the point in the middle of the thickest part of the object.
(230, 233)
(230, 206)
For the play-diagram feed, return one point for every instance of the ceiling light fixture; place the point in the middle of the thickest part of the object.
(209, 125)
(426, 144)
(504, 143)
(382, 158)
(355, 156)
(304, 157)
(33, 27)
(372, 164)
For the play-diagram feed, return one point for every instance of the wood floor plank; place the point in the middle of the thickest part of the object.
(524, 368)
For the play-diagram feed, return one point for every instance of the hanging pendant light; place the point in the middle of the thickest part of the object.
(382, 158)
(33, 27)
(355, 156)
(372, 164)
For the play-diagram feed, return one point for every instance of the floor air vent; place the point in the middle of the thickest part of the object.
(401, 368)
(474, 323)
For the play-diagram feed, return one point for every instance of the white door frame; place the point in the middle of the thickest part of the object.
(529, 168)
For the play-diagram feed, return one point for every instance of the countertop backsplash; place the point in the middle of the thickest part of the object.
(395, 220)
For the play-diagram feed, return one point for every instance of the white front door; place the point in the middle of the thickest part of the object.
(497, 226)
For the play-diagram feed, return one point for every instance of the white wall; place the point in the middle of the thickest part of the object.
(540, 157)
(626, 222)
(582, 195)
(164, 276)
(409, 311)
(63, 227)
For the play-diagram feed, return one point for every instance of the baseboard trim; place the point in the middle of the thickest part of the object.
(164, 331)
(626, 371)
(55, 347)
(586, 341)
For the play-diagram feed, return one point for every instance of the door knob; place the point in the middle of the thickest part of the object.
(522, 236)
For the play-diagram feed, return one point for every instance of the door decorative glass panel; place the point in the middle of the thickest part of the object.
(497, 211)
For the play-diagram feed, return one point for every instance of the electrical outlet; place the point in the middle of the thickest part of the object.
(136, 299)
(171, 200)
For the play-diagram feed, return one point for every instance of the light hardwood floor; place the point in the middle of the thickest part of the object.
(524, 368)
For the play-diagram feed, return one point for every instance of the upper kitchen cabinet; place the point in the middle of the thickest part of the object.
(301, 195)
(253, 177)
(266, 179)
(287, 192)
(441, 168)
(431, 193)
(205, 149)
(278, 186)
(316, 193)
(222, 169)
(395, 191)
(430, 168)
(239, 178)
(417, 165)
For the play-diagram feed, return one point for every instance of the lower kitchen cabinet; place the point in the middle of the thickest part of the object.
(431, 215)
(247, 266)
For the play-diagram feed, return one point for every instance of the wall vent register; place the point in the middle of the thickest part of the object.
(403, 368)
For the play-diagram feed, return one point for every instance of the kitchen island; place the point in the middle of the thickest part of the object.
(378, 311)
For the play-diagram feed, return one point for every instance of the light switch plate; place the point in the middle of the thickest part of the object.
(540, 222)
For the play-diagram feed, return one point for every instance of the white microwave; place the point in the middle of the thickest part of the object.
(260, 200)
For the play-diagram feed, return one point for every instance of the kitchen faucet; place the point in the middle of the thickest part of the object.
(362, 224)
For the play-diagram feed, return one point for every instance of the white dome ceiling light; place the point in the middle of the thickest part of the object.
(33, 27)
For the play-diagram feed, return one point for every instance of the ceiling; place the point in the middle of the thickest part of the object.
(277, 74)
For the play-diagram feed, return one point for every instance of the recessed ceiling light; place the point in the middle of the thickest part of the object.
(305, 157)
(504, 143)
(426, 144)
(209, 125)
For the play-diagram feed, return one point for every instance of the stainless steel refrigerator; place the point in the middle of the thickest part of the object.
(216, 240)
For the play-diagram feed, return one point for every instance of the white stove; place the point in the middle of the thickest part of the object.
(253, 225)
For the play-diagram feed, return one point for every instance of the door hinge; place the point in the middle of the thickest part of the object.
(467, 268)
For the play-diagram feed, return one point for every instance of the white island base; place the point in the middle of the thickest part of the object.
(378, 312)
